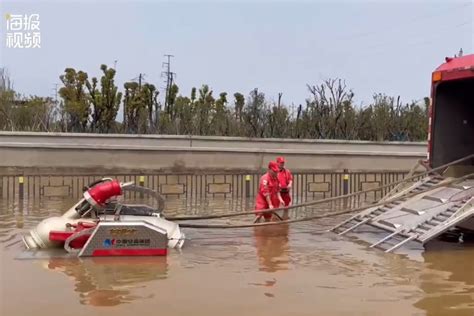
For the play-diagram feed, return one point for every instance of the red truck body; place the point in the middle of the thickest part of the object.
(451, 113)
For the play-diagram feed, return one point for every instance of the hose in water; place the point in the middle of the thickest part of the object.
(331, 199)
(310, 218)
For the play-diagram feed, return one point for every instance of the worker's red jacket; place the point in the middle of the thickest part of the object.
(267, 186)
(284, 177)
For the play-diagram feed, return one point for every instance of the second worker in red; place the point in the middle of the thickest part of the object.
(274, 190)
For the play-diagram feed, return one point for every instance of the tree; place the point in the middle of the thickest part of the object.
(239, 105)
(134, 107)
(326, 107)
(92, 105)
(33, 114)
(105, 102)
(75, 101)
(279, 122)
(6, 100)
(220, 116)
(203, 107)
(255, 114)
(150, 97)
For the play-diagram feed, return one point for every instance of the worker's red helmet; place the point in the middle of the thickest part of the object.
(273, 166)
(280, 160)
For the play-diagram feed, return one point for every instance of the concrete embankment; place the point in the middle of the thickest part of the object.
(60, 152)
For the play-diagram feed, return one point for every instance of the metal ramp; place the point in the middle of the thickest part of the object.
(372, 213)
(419, 218)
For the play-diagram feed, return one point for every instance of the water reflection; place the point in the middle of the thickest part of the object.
(272, 247)
(107, 281)
(448, 281)
(369, 280)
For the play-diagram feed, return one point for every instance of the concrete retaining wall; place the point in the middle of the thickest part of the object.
(56, 151)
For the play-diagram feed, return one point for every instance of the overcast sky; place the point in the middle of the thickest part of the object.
(234, 46)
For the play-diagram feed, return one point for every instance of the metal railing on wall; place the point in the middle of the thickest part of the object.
(306, 186)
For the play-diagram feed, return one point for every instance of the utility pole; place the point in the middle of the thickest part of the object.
(171, 83)
(140, 78)
(169, 78)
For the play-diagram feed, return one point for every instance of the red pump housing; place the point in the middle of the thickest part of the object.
(100, 193)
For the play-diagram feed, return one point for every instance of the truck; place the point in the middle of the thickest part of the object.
(440, 202)
(451, 114)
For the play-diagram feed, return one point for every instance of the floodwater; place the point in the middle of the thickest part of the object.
(281, 270)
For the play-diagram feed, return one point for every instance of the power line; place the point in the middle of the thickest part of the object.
(140, 78)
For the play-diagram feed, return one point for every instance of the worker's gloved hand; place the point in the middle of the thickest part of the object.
(271, 207)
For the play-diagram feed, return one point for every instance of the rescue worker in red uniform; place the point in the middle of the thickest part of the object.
(268, 196)
(285, 179)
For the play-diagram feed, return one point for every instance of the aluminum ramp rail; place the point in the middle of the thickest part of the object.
(420, 218)
(371, 213)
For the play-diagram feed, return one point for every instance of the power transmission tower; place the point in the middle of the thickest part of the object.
(55, 89)
(55, 105)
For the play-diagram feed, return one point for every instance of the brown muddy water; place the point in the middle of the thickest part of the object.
(282, 270)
